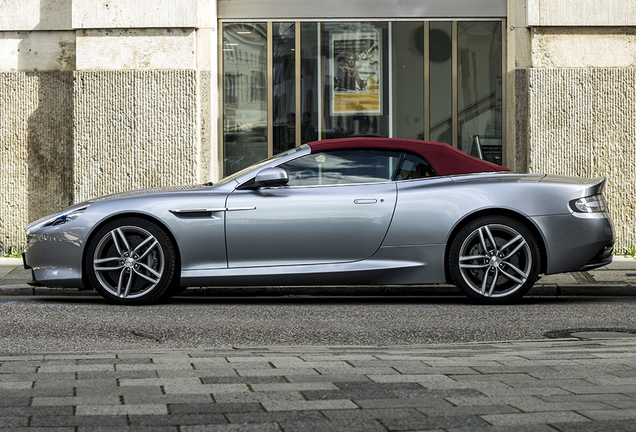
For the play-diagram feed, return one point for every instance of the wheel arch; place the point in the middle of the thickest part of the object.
(144, 216)
(496, 212)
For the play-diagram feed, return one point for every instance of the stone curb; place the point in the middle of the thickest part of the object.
(618, 279)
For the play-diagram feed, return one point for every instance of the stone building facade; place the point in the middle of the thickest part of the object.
(100, 96)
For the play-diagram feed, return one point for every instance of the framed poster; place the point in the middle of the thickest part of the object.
(356, 65)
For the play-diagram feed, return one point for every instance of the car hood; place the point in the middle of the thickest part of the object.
(156, 191)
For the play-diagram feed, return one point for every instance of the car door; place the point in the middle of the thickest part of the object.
(337, 207)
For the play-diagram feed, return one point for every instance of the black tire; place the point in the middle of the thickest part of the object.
(131, 261)
(494, 260)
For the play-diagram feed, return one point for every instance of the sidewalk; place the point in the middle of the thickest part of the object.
(616, 279)
(584, 381)
(547, 385)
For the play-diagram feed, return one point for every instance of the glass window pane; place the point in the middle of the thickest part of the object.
(309, 81)
(345, 79)
(441, 81)
(342, 167)
(414, 167)
(284, 88)
(480, 89)
(408, 79)
(244, 95)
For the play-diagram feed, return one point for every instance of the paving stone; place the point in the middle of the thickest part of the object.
(596, 426)
(424, 393)
(35, 410)
(538, 405)
(215, 408)
(309, 405)
(401, 403)
(17, 367)
(574, 382)
(129, 429)
(279, 372)
(293, 396)
(35, 392)
(168, 399)
(493, 377)
(152, 382)
(381, 414)
(293, 386)
(35, 429)
(92, 410)
(86, 421)
(328, 378)
(327, 426)
(14, 421)
(214, 389)
(75, 368)
(316, 395)
(176, 420)
(467, 410)
(599, 389)
(74, 401)
(115, 361)
(627, 404)
(101, 383)
(428, 423)
(15, 385)
(192, 373)
(540, 417)
(37, 377)
(263, 427)
(307, 417)
(17, 401)
(357, 371)
(517, 428)
(608, 398)
(118, 390)
(243, 380)
(150, 374)
(612, 414)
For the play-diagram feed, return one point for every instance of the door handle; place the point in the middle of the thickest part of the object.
(365, 201)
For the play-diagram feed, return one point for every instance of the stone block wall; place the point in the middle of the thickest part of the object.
(133, 130)
(36, 154)
(582, 122)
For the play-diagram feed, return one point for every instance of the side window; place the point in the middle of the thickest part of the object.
(342, 167)
(414, 167)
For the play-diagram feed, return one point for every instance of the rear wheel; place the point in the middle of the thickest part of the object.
(494, 260)
(131, 261)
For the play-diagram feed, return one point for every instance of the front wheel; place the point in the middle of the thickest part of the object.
(131, 261)
(494, 260)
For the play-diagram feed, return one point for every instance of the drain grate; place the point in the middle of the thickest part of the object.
(591, 333)
(583, 277)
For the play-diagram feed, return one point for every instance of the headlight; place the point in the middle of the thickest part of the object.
(65, 217)
(591, 204)
(58, 219)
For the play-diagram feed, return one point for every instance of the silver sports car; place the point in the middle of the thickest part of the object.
(337, 212)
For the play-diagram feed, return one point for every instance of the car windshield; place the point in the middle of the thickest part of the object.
(257, 165)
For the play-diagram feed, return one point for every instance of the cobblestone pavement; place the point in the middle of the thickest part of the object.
(564, 385)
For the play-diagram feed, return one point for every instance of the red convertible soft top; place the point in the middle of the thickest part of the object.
(444, 159)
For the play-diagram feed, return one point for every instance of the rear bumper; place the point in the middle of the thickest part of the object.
(575, 242)
(602, 258)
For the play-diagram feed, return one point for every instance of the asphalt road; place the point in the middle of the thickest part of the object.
(75, 323)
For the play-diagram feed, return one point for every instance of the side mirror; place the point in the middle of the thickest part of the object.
(271, 177)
